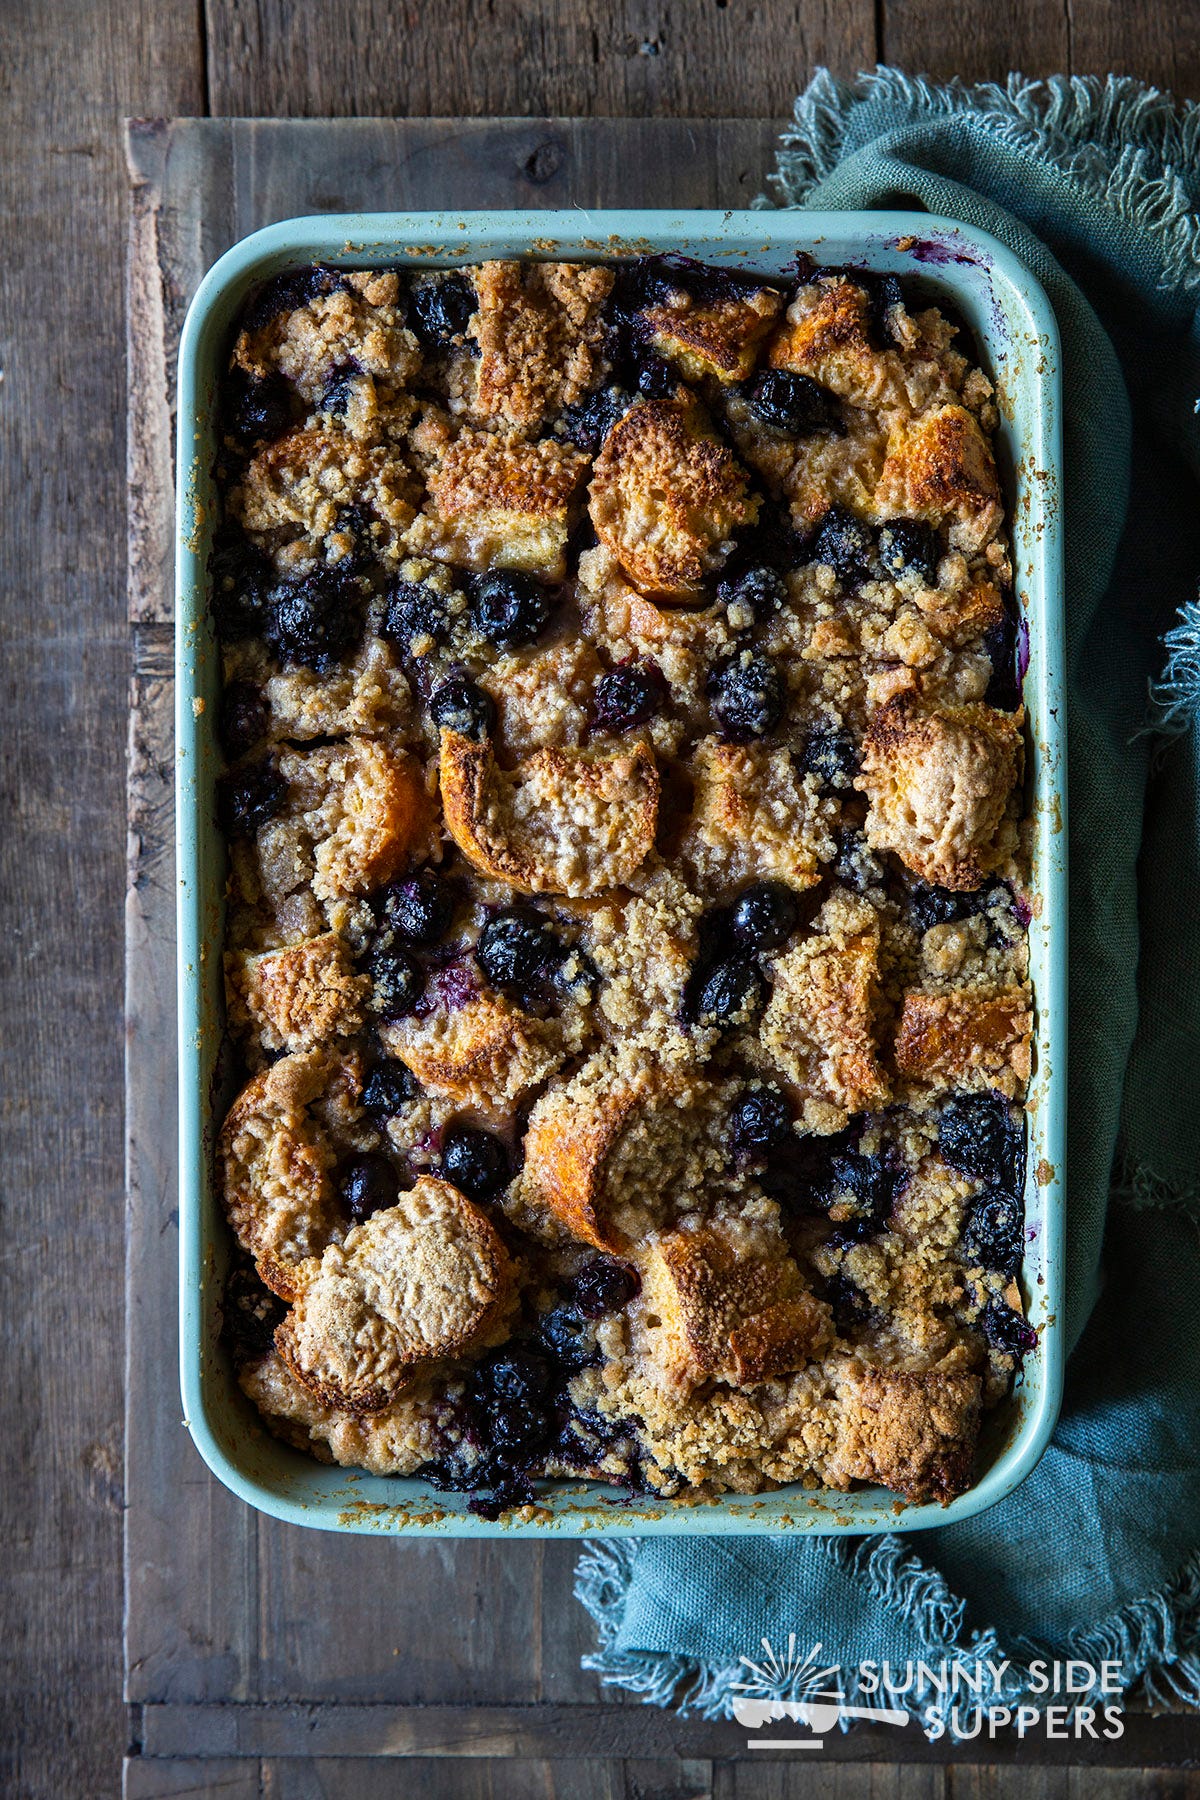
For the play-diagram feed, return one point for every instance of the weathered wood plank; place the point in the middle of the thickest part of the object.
(708, 57)
(758, 1778)
(549, 1731)
(976, 39)
(71, 67)
(358, 1779)
(1158, 43)
(146, 1778)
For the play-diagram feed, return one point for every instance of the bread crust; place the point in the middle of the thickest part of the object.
(967, 1038)
(567, 821)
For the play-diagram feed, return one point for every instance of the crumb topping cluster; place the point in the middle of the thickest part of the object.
(627, 893)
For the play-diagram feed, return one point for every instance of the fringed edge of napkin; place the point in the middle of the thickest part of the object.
(1134, 148)
(1154, 1641)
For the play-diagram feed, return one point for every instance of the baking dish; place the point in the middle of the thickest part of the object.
(1018, 340)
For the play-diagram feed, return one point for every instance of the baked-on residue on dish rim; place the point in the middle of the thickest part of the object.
(1012, 320)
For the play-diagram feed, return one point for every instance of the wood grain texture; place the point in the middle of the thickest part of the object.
(69, 72)
(640, 58)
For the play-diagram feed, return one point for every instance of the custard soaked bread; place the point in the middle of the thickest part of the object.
(626, 943)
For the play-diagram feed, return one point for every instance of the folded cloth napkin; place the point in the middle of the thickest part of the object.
(1095, 184)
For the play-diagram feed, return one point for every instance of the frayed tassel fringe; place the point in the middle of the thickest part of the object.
(1176, 696)
(1133, 149)
(1155, 1642)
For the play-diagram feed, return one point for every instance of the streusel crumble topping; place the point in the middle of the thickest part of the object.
(626, 949)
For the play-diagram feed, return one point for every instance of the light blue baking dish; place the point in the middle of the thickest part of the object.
(1015, 327)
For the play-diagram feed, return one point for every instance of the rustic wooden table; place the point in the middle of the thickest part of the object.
(261, 1661)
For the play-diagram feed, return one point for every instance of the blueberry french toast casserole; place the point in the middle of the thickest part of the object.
(626, 960)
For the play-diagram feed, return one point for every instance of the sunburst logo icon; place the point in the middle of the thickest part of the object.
(787, 1685)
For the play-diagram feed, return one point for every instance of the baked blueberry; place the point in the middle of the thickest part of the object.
(747, 697)
(517, 1429)
(871, 1184)
(313, 620)
(515, 1374)
(338, 387)
(1006, 1330)
(241, 580)
(574, 975)
(260, 408)
(247, 798)
(397, 982)
(850, 1307)
(929, 905)
(561, 1331)
(857, 867)
(516, 951)
(249, 1315)
(976, 1136)
(760, 591)
(509, 609)
(1000, 642)
(628, 695)
(908, 547)
(791, 403)
(602, 1286)
(732, 993)
(831, 755)
(419, 909)
(847, 544)
(475, 1161)
(441, 310)
(387, 1090)
(285, 293)
(461, 705)
(883, 293)
(366, 1184)
(653, 376)
(993, 1234)
(243, 718)
(764, 916)
(761, 1122)
(588, 422)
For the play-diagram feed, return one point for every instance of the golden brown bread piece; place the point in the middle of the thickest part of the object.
(939, 783)
(275, 1160)
(566, 822)
(360, 321)
(294, 489)
(718, 337)
(911, 1430)
(396, 1440)
(497, 502)
(667, 497)
(619, 1147)
(296, 998)
(540, 333)
(486, 1053)
(939, 468)
(423, 1279)
(819, 1031)
(723, 1304)
(966, 1038)
(754, 816)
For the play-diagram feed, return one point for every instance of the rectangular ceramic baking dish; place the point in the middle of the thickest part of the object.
(1018, 338)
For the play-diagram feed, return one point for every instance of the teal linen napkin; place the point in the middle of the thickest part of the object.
(1095, 185)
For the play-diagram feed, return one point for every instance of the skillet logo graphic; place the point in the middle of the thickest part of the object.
(817, 1704)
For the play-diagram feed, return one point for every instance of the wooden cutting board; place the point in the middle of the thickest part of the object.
(263, 1659)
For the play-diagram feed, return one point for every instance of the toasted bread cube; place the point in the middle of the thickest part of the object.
(567, 821)
(486, 1053)
(819, 1030)
(296, 998)
(827, 336)
(296, 487)
(718, 336)
(611, 1152)
(540, 331)
(939, 468)
(667, 497)
(753, 816)
(365, 808)
(359, 320)
(396, 1440)
(939, 785)
(496, 502)
(716, 1308)
(275, 1158)
(914, 1431)
(421, 1280)
(967, 1038)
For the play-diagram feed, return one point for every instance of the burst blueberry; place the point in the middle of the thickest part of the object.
(747, 697)
(397, 982)
(732, 993)
(260, 408)
(475, 1161)
(441, 310)
(249, 798)
(588, 422)
(313, 620)
(906, 547)
(509, 609)
(976, 1135)
(516, 951)
(1006, 1330)
(845, 543)
(461, 705)
(792, 403)
(628, 695)
(993, 1234)
(415, 610)
(241, 579)
(387, 1090)
(419, 909)
(758, 591)
(832, 756)
(761, 1122)
(243, 718)
(367, 1184)
(603, 1286)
